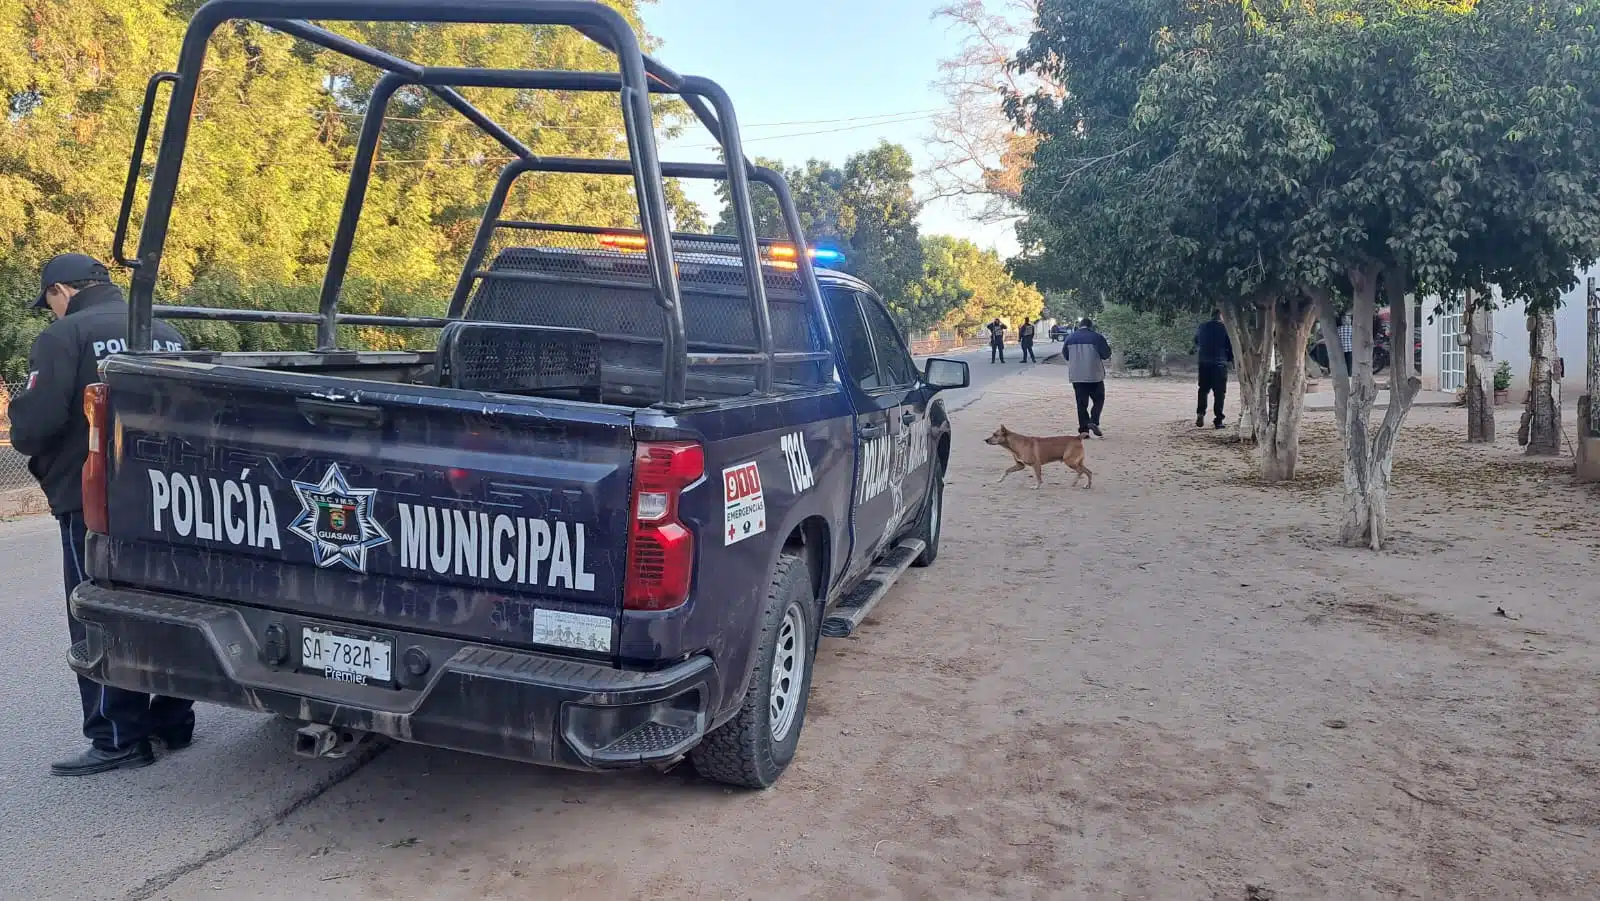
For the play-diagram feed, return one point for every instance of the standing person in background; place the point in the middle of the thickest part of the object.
(49, 426)
(1215, 352)
(1025, 338)
(1086, 353)
(997, 341)
(1347, 337)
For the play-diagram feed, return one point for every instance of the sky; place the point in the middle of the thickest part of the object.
(817, 79)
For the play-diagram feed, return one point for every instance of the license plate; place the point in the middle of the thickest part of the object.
(346, 659)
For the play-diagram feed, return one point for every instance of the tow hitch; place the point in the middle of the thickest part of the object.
(318, 740)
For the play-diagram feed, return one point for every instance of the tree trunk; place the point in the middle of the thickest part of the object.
(1329, 321)
(1369, 456)
(1279, 409)
(1479, 339)
(1541, 430)
(1250, 328)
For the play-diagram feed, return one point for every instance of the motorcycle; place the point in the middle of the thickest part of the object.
(1380, 356)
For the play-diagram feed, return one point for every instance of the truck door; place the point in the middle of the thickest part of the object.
(903, 474)
(880, 382)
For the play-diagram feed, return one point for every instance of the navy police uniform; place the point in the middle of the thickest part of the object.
(48, 425)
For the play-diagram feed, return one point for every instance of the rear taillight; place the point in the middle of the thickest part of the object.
(97, 467)
(660, 547)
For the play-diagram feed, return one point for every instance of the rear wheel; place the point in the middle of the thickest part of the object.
(754, 748)
(932, 521)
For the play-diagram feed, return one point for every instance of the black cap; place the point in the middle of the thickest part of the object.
(69, 267)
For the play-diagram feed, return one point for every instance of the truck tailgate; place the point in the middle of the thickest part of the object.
(419, 508)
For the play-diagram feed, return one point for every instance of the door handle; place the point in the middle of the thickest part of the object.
(871, 431)
(326, 413)
(907, 418)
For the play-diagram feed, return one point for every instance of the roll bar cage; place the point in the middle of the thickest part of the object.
(637, 77)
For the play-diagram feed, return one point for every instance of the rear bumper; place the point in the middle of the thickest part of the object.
(476, 698)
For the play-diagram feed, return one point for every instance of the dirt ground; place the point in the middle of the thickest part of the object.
(1170, 687)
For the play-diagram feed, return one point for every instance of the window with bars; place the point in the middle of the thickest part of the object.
(1452, 356)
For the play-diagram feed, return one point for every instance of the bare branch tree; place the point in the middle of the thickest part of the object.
(978, 153)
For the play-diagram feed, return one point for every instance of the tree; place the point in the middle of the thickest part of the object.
(978, 152)
(885, 249)
(1145, 340)
(1532, 190)
(269, 154)
(1479, 350)
(1114, 216)
(866, 209)
(1218, 156)
(1066, 307)
(763, 205)
(943, 288)
(962, 287)
(818, 190)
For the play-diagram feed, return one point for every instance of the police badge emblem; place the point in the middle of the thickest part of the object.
(337, 521)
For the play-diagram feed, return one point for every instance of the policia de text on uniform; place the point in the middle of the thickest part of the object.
(48, 425)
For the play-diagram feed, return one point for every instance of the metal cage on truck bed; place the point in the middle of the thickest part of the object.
(506, 279)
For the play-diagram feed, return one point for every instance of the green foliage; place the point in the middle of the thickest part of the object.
(866, 209)
(18, 326)
(1064, 307)
(1145, 339)
(942, 289)
(763, 203)
(1209, 152)
(269, 155)
(883, 243)
(1502, 376)
(983, 291)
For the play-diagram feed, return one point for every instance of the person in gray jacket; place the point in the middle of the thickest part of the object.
(1086, 353)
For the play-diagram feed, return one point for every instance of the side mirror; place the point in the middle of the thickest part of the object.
(943, 374)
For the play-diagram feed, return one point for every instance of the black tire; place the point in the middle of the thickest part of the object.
(932, 525)
(744, 751)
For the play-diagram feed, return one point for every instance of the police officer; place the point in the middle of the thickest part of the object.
(48, 425)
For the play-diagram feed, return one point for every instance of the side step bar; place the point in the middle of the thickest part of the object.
(855, 607)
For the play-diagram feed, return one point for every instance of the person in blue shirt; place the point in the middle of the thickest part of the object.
(1215, 352)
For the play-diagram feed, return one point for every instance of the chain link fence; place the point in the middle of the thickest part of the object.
(13, 466)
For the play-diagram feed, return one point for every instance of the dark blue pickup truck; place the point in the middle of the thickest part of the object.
(603, 524)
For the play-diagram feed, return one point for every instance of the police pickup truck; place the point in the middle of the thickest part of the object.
(603, 523)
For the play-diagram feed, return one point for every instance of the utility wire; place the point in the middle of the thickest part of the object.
(924, 113)
(824, 131)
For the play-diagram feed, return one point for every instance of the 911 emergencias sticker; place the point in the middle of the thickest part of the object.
(744, 507)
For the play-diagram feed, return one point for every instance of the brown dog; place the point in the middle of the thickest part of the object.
(1036, 452)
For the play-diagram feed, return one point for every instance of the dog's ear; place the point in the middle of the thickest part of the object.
(1001, 431)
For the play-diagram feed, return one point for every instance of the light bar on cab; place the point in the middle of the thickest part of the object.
(781, 255)
(623, 242)
(820, 254)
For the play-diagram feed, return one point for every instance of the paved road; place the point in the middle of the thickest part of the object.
(129, 835)
(984, 373)
(104, 838)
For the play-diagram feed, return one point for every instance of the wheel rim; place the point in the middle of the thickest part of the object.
(788, 673)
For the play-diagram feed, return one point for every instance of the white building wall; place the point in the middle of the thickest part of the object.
(1430, 345)
(1510, 322)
